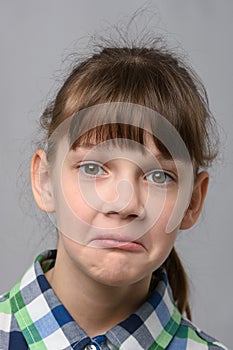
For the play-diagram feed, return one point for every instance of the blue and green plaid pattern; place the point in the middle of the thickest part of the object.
(32, 317)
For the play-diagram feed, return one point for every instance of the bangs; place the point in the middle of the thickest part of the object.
(122, 123)
(120, 135)
(114, 132)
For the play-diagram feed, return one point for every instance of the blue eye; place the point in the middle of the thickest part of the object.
(92, 169)
(159, 177)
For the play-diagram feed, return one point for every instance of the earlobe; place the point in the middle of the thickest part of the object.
(41, 182)
(197, 201)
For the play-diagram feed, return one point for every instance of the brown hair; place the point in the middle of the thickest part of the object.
(151, 76)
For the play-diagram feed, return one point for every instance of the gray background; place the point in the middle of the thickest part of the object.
(36, 36)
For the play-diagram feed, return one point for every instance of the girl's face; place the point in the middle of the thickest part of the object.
(113, 205)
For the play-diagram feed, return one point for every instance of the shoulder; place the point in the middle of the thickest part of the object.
(195, 338)
(11, 337)
(5, 320)
(5, 312)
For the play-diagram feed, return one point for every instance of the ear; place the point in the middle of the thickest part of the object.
(197, 201)
(41, 182)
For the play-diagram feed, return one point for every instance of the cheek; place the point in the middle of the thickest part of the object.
(172, 213)
(73, 216)
(160, 208)
(77, 205)
(161, 246)
(159, 241)
(71, 199)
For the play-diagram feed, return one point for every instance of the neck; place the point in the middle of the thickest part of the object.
(94, 306)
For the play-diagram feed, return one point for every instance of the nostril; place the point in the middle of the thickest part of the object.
(128, 216)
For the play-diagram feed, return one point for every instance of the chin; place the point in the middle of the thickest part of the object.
(117, 281)
(118, 276)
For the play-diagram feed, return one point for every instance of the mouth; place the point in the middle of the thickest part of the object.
(114, 243)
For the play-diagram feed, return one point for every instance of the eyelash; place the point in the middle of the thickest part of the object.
(167, 176)
(82, 167)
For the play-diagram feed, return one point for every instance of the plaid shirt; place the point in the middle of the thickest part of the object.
(32, 317)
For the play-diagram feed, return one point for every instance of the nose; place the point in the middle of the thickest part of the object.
(127, 199)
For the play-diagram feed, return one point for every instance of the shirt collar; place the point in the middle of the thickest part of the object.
(35, 305)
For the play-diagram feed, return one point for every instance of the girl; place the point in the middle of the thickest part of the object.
(123, 169)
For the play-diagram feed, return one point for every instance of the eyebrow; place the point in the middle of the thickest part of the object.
(164, 160)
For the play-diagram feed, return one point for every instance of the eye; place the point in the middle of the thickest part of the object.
(159, 177)
(92, 169)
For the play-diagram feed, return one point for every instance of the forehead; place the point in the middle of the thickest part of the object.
(146, 157)
(121, 146)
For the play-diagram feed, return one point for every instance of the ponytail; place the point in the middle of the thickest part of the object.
(179, 282)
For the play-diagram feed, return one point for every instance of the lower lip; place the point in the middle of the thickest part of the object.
(109, 243)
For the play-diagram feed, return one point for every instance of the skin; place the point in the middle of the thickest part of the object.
(101, 282)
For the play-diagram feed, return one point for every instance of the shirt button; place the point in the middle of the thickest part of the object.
(91, 347)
